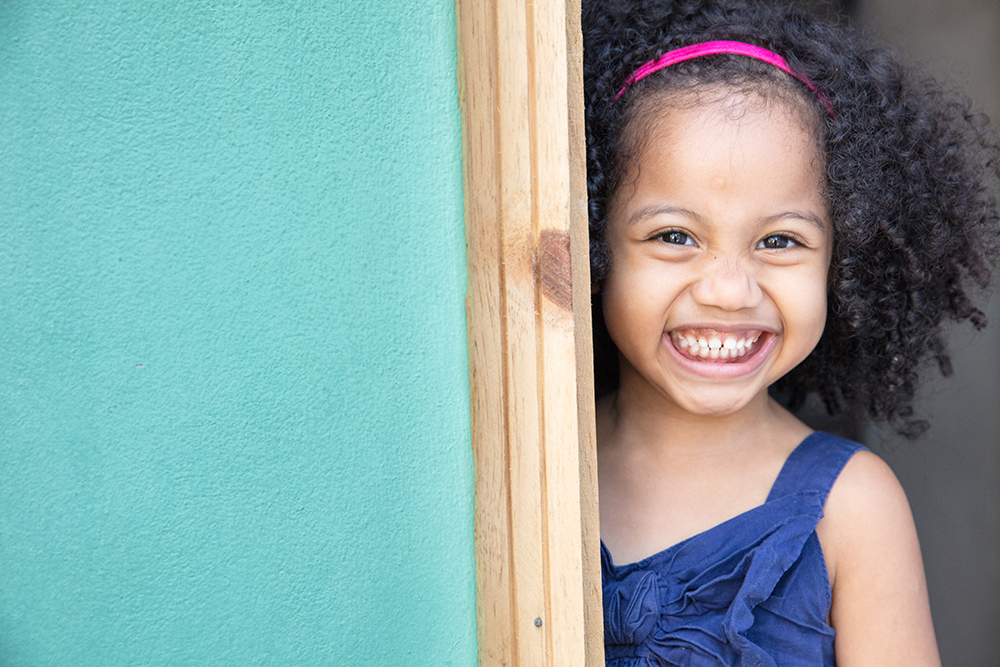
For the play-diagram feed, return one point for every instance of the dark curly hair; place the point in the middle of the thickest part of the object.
(911, 176)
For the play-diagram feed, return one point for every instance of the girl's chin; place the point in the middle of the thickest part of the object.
(716, 406)
(708, 398)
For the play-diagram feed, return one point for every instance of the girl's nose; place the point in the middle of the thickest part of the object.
(727, 284)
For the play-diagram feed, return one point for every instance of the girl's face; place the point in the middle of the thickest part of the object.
(720, 243)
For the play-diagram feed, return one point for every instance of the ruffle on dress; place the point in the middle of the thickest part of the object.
(711, 585)
(750, 592)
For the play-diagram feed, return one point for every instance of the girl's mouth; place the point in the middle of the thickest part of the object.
(716, 346)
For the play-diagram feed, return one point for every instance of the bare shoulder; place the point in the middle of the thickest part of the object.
(866, 513)
(880, 608)
(867, 494)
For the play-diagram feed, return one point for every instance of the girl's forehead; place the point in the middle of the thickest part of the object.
(731, 156)
(696, 122)
(721, 105)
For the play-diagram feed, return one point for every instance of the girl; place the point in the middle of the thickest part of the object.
(772, 203)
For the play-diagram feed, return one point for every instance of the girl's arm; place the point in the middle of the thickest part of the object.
(880, 607)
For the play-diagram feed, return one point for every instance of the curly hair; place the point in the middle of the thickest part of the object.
(911, 183)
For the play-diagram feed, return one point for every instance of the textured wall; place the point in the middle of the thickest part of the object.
(234, 421)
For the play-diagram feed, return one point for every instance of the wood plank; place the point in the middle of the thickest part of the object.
(529, 331)
(593, 607)
(477, 48)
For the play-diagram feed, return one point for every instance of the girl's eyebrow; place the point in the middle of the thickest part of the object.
(661, 209)
(667, 209)
(801, 215)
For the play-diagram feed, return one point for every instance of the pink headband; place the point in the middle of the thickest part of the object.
(710, 48)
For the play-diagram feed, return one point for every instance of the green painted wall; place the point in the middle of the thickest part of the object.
(234, 418)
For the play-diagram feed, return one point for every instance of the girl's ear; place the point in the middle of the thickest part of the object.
(595, 288)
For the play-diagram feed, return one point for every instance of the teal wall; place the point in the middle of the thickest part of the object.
(234, 418)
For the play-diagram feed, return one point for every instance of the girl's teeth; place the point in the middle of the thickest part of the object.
(714, 347)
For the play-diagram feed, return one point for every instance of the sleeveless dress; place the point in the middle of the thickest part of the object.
(752, 591)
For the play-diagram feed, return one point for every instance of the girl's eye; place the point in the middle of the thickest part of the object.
(676, 238)
(776, 242)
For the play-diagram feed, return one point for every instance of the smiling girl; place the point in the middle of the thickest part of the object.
(771, 202)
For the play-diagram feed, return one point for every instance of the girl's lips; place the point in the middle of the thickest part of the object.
(718, 354)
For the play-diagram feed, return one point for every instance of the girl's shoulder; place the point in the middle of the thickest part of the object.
(864, 485)
(866, 508)
(880, 605)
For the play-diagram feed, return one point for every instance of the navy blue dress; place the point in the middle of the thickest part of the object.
(752, 591)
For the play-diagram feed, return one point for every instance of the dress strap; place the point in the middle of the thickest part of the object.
(814, 465)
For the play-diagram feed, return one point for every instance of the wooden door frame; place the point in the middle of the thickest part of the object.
(537, 536)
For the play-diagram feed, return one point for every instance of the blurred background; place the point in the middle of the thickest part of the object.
(952, 474)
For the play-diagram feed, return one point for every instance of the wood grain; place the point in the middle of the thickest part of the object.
(538, 567)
